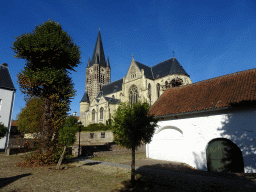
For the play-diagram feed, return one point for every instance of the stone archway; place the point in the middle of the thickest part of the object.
(224, 156)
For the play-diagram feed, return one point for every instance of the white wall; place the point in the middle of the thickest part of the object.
(7, 97)
(188, 141)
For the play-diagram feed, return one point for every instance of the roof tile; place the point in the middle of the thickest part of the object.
(213, 93)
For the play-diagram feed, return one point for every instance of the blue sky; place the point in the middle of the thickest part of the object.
(210, 38)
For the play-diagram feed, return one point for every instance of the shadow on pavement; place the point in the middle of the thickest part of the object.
(8, 180)
(159, 178)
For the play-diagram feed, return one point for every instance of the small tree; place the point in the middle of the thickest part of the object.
(3, 130)
(132, 127)
(67, 135)
(30, 117)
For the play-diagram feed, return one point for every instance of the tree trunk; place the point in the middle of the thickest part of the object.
(133, 166)
(47, 128)
(61, 158)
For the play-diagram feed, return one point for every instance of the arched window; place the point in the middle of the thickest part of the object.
(158, 90)
(93, 114)
(149, 91)
(101, 113)
(166, 83)
(133, 94)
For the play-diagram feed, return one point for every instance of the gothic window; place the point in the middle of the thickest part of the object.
(101, 113)
(113, 96)
(166, 83)
(158, 90)
(91, 135)
(149, 91)
(133, 94)
(93, 114)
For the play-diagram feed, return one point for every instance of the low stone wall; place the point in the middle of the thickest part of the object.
(103, 150)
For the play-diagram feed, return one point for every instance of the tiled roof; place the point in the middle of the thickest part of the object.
(219, 92)
(14, 123)
(112, 87)
(5, 78)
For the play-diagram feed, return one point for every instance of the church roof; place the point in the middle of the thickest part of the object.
(112, 87)
(112, 100)
(85, 98)
(216, 93)
(98, 54)
(147, 70)
(5, 78)
(168, 67)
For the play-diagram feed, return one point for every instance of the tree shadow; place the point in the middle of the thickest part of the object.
(90, 163)
(238, 125)
(238, 128)
(160, 178)
(8, 180)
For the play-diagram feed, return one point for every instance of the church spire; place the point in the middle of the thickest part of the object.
(89, 62)
(108, 64)
(98, 54)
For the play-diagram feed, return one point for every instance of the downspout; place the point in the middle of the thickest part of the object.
(9, 123)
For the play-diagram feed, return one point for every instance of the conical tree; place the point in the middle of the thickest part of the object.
(49, 53)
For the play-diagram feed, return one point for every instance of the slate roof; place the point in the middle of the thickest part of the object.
(216, 93)
(112, 100)
(168, 67)
(5, 78)
(85, 98)
(147, 70)
(112, 87)
(98, 54)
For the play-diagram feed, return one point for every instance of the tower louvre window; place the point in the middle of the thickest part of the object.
(158, 90)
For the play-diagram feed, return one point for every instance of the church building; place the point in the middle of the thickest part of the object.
(141, 83)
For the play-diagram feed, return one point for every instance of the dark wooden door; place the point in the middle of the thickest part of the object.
(224, 156)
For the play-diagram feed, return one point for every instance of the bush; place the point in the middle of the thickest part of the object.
(96, 127)
(3, 130)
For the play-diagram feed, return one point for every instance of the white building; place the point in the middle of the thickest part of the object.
(191, 116)
(7, 94)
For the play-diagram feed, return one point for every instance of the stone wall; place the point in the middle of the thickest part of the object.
(103, 150)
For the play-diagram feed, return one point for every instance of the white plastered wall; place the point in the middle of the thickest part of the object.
(185, 140)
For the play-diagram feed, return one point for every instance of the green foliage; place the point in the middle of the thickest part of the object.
(3, 130)
(97, 127)
(133, 126)
(67, 134)
(47, 45)
(30, 118)
(49, 53)
(70, 121)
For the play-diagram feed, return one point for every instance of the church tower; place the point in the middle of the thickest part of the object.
(97, 71)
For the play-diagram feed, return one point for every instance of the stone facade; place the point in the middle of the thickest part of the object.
(141, 83)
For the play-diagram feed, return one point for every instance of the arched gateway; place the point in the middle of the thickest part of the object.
(224, 156)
